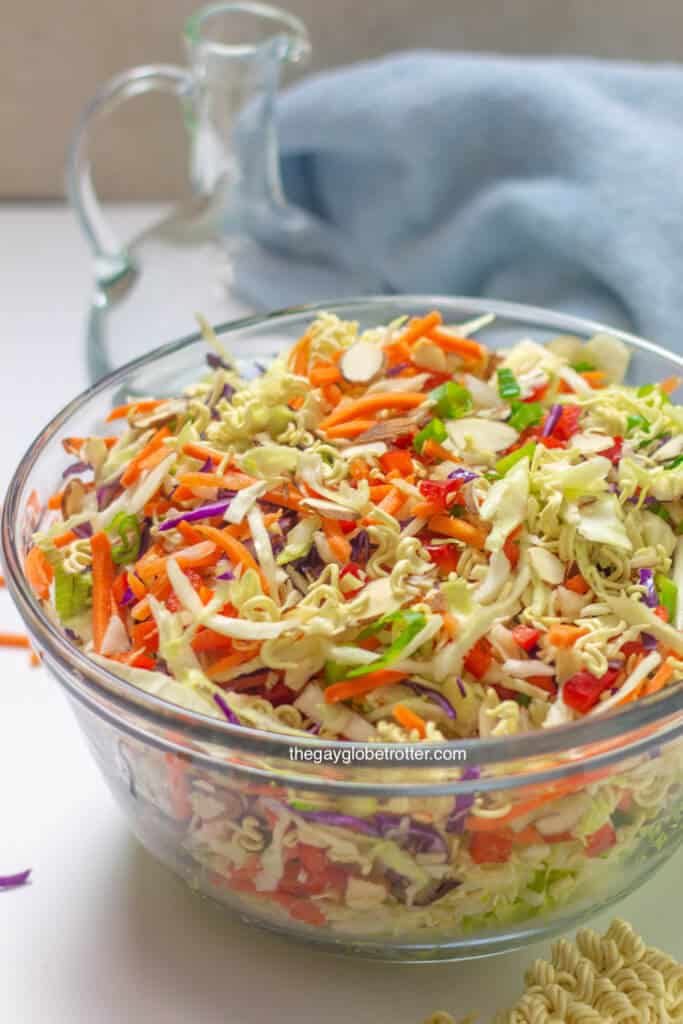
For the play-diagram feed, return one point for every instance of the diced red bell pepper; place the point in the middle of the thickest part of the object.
(352, 569)
(538, 394)
(552, 442)
(546, 683)
(568, 423)
(661, 613)
(525, 637)
(511, 551)
(491, 847)
(347, 525)
(479, 658)
(632, 647)
(440, 491)
(614, 453)
(601, 841)
(397, 460)
(172, 603)
(405, 440)
(582, 691)
(444, 556)
(146, 635)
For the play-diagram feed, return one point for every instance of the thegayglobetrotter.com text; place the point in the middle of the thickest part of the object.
(398, 754)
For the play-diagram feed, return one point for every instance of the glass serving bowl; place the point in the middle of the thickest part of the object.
(237, 812)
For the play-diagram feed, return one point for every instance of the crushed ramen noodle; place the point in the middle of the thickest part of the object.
(611, 979)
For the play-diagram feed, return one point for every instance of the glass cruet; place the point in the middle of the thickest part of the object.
(148, 290)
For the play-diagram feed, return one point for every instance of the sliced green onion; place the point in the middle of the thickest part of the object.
(668, 594)
(452, 400)
(72, 592)
(508, 386)
(645, 389)
(334, 671)
(411, 624)
(508, 461)
(675, 463)
(432, 431)
(525, 414)
(583, 367)
(636, 423)
(127, 528)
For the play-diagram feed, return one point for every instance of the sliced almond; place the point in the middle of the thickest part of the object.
(428, 355)
(546, 565)
(389, 430)
(484, 435)
(73, 498)
(362, 362)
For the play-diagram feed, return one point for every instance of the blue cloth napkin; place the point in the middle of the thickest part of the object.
(552, 182)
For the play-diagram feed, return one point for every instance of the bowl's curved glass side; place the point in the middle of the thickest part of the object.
(407, 877)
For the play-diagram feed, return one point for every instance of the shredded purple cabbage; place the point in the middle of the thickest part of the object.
(648, 641)
(15, 881)
(226, 576)
(646, 579)
(75, 467)
(435, 891)
(128, 598)
(216, 508)
(461, 686)
(311, 564)
(410, 834)
(395, 370)
(552, 420)
(229, 714)
(463, 804)
(339, 821)
(83, 530)
(215, 361)
(106, 494)
(462, 474)
(360, 548)
(433, 695)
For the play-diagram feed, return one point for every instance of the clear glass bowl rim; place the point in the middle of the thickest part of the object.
(87, 680)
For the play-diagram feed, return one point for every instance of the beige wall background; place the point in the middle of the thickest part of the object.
(54, 53)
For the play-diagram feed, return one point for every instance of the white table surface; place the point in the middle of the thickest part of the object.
(103, 934)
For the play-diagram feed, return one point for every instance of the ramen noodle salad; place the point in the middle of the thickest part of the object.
(597, 980)
(389, 536)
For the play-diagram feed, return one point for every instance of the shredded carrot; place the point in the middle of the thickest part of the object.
(201, 452)
(102, 581)
(137, 465)
(475, 536)
(14, 640)
(399, 461)
(144, 405)
(188, 533)
(229, 481)
(2, 581)
(236, 551)
(348, 688)
(64, 538)
(35, 660)
(398, 352)
(232, 660)
(433, 450)
(670, 385)
(298, 357)
(421, 327)
(370, 404)
(450, 625)
(208, 640)
(410, 720)
(658, 681)
(577, 584)
(465, 347)
(54, 502)
(379, 491)
(425, 509)
(339, 545)
(596, 378)
(393, 502)
(351, 429)
(39, 573)
(565, 636)
(324, 373)
(359, 470)
(292, 499)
